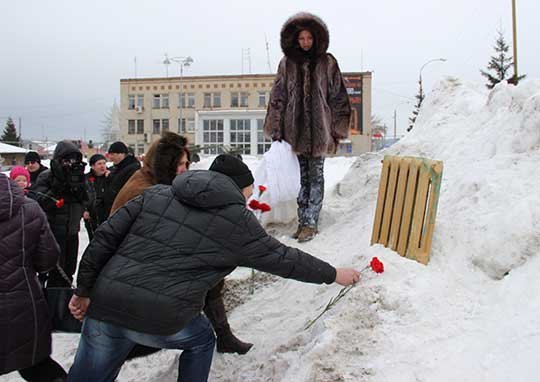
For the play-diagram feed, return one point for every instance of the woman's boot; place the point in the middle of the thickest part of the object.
(226, 340)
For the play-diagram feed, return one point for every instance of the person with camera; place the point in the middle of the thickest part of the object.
(61, 193)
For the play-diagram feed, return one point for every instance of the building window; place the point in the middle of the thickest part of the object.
(190, 128)
(140, 126)
(234, 99)
(186, 100)
(217, 99)
(140, 100)
(212, 100)
(213, 136)
(207, 100)
(156, 126)
(239, 99)
(263, 143)
(240, 134)
(244, 99)
(131, 126)
(164, 125)
(131, 148)
(160, 101)
(131, 102)
(140, 148)
(262, 99)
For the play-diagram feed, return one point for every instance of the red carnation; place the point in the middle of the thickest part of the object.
(262, 188)
(91, 179)
(60, 203)
(264, 207)
(376, 265)
(254, 204)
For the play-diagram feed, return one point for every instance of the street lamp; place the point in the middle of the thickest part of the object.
(420, 76)
(182, 61)
(420, 97)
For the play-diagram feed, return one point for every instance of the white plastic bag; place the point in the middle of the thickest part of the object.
(279, 172)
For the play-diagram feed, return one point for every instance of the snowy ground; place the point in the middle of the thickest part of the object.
(470, 315)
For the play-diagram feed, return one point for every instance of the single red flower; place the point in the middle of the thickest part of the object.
(264, 207)
(377, 265)
(254, 204)
(60, 203)
(91, 179)
(262, 188)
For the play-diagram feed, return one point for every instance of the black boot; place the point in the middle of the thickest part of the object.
(226, 340)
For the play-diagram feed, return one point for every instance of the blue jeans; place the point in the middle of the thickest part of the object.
(103, 348)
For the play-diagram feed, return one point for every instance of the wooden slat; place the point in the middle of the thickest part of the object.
(419, 212)
(395, 225)
(380, 201)
(408, 208)
(429, 224)
(389, 201)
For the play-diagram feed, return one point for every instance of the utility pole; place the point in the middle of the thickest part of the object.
(514, 28)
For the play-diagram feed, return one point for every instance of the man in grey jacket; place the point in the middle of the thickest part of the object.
(150, 266)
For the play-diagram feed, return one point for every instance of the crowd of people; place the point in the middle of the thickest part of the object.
(162, 237)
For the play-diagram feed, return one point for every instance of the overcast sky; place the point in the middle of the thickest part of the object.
(62, 61)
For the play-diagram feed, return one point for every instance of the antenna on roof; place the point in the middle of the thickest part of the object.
(267, 54)
(166, 62)
(246, 57)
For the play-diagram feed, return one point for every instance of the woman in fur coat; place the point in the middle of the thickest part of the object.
(164, 160)
(309, 108)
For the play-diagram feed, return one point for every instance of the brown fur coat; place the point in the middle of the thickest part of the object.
(309, 106)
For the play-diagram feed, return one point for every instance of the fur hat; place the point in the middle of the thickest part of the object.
(118, 148)
(234, 168)
(18, 171)
(32, 156)
(299, 22)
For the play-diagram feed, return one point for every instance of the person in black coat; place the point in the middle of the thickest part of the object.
(151, 264)
(61, 192)
(32, 162)
(125, 165)
(96, 183)
(27, 246)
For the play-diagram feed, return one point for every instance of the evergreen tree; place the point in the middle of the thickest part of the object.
(500, 64)
(419, 99)
(10, 134)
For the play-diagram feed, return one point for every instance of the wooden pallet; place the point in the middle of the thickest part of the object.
(407, 205)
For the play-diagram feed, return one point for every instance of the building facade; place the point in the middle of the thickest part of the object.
(217, 112)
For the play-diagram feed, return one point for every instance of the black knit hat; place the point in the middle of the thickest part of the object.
(118, 148)
(234, 168)
(96, 157)
(32, 156)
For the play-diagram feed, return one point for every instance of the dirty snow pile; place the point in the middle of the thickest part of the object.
(472, 314)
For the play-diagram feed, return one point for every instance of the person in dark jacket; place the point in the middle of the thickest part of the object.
(124, 167)
(32, 162)
(150, 266)
(61, 192)
(165, 159)
(96, 182)
(27, 246)
(309, 108)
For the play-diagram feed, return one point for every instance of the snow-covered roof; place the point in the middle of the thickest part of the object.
(10, 149)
